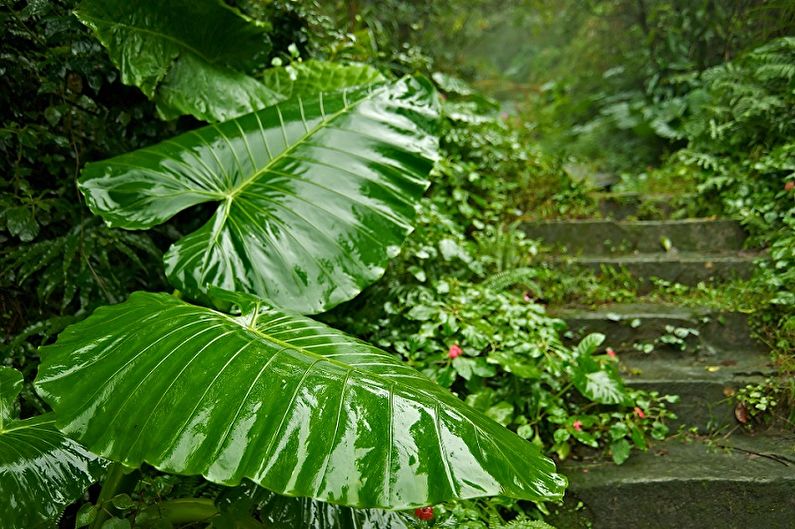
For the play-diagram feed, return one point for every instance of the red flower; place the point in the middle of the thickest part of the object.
(639, 413)
(577, 425)
(424, 513)
(789, 186)
(610, 352)
(455, 351)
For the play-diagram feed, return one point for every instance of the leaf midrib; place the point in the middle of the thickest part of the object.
(324, 122)
(287, 345)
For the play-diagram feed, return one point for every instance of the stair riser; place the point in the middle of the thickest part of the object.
(702, 403)
(619, 207)
(707, 504)
(605, 237)
(729, 331)
(688, 273)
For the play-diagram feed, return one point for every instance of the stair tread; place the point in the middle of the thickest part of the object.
(662, 257)
(698, 369)
(738, 458)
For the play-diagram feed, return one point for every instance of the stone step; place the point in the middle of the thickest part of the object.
(705, 385)
(630, 324)
(620, 206)
(685, 268)
(608, 237)
(739, 483)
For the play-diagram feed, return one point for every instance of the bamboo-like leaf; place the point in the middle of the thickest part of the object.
(315, 195)
(293, 405)
(41, 471)
(189, 56)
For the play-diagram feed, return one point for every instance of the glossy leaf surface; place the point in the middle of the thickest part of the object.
(284, 512)
(307, 79)
(41, 471)
(189, 56)
(293, 405)
(315, 195)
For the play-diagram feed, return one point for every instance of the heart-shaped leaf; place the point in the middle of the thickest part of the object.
(295, 406)
(41, 471)
(189, 56)
(315, 195)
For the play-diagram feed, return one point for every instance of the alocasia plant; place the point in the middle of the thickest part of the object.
(314, 195)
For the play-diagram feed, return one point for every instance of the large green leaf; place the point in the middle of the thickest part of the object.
(189, 56)
(307, 79)
(315, 195)
(41, 471)
(293, 405)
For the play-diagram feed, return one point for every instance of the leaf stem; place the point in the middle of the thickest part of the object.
(115, 482)
(188, 511)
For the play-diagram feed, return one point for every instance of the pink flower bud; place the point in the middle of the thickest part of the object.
(455, 351)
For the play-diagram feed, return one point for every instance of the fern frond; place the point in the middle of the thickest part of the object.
(508, 278)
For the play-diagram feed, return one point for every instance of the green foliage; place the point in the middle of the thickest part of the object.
(461, 308)
(615, 80)
(41, 470)
(308, 78)
(199, 68)
(279, 396)
(280, 229)
(62, 104)
(464, 278)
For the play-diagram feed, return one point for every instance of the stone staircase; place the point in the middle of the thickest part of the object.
(727, 480)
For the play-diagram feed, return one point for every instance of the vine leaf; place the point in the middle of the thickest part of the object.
(188, 56)
(41, 471)
(315, 195)
(293, 405)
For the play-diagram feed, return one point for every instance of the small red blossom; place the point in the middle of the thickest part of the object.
(455, 351)
(639, 413)
(424, 513)
(610, 352)
(577, 425)
(789, 186)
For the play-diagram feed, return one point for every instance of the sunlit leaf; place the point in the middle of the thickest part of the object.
(314, 195)
(280, 399)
